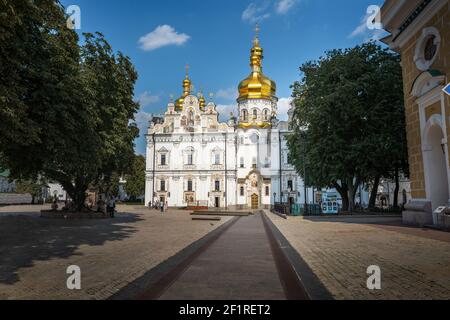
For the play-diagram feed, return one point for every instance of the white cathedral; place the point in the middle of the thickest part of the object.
(193, 160)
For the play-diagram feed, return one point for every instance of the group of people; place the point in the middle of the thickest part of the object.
(108, 206)
(159, 205)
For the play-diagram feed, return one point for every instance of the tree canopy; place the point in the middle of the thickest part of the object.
(349, 122)
(135, 181)
(67, 110)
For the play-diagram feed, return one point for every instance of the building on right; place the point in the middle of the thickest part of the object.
(420, 32)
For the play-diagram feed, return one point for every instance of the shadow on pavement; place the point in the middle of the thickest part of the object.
(25, 239)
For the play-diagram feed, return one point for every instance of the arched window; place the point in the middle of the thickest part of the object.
(191, 118)
(190, 186)
(217, 158)
(189, 156)
(244, 115)
(217, 185)
(266, 115)
(255, 114)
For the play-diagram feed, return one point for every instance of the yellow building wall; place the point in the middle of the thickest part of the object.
(440, 21)
(435, 108)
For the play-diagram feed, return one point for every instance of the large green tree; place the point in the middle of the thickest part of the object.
(68, 109)
(349, 124)
(135, 181)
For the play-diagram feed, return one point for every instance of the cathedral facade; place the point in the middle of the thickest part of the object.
(194, 160)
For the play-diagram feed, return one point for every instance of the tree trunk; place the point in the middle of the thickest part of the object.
(397, 187)
(77, 192)
(351, 197)
(343, 191)
(374, 192)
(80, 199)
(352, 190)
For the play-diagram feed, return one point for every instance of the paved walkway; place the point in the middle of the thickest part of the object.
(238, 265)
(414, 262)
(35, 252)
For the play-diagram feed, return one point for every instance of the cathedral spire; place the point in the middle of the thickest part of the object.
(187, 84)
(256, 85)
(256, 52)
(187, 89)
(257, 30)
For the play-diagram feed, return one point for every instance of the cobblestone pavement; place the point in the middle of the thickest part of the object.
(415, 263)
(35, 252)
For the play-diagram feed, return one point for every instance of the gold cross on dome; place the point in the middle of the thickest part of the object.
(257, 30)
(187, 70)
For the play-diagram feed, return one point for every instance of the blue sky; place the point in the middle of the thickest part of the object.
(214, 38)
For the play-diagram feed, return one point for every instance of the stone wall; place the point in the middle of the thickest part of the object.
(14, 198)
(441, 21)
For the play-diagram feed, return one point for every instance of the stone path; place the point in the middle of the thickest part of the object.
(415, 263)
(235, 259)
(35, 252)
(242, 262)
(237, 266)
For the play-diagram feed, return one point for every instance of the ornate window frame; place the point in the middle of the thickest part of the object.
(160, 152)
(419, 58)
(190, 151)
(244, 115)
(266, 115)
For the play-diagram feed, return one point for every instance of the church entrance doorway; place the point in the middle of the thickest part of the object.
(436, 167)
(255, 201)
(217, 202)
(291, 201)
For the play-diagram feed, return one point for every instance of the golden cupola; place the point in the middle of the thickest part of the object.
(257, 85)
(201, 101)
(187, 86)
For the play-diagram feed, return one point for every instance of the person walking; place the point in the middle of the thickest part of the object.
(108, 206)
(111, 207)
(113, 212)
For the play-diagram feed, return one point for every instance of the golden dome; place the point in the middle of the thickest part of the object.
(187, 85)
(257, 85)
(202, 101)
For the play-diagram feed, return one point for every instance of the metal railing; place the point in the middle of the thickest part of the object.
(297, 209)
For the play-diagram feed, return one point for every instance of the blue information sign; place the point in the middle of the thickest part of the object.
(447, 89)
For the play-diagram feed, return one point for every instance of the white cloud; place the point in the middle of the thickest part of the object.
(284, 6)
(256, 12)
(363, 31)
(284, 105)
(146, 99)
(142, 120)
(228, 94)
(162, 36)
(225, 110)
